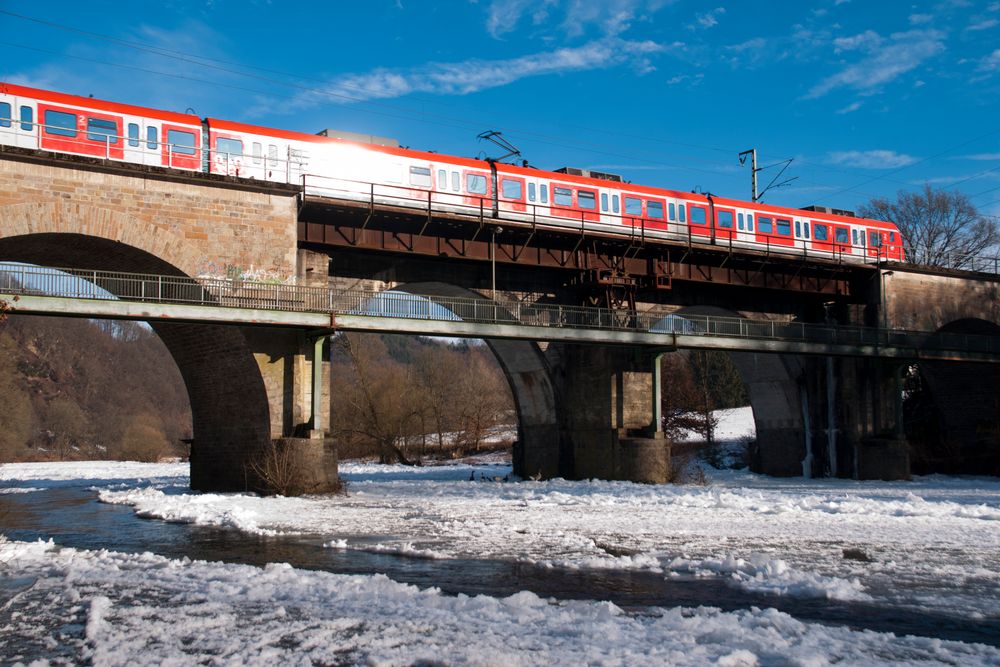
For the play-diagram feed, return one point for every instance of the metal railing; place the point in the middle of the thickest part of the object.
(229, 293)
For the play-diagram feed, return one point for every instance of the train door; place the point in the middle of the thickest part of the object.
(227, 155)
(878, 243)
(725, 223)
(179, 147)
(70, 130)
(512, 194)
(477, 189)
(18, 126)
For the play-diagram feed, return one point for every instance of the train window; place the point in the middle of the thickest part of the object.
(531, 191)
(614, 204)
(5, 114)
(672, 211)
(133, 135)
(805, 228)
(854, 235)
(749, 222)
(604, 202)
(633, 206)
(840, 235)
(784, 227)
(151, 138)
(228, 147)
(27, 116)
(562, 196)
(764, 225)
(442, 179)
(258, 152)
(739, 221)
(544, 193)
(725, 219)
(456, 181)
(680, 213)
(698, 215)
(99, 129)
(181, 142)
(798, 228)
(819, 232)
(475, 184)
(420, 176)
(586, 199)
(654, 209)
(511, 189)
(892, 237)
(58, 122)
(272, 156)
(874, 240)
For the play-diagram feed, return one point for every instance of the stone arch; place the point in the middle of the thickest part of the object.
(956, 426)
(773, 382)
(527, 372)
(229, 402)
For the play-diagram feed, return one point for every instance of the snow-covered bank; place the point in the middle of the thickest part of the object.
(115, 609)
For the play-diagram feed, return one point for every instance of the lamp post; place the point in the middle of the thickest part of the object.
(493, 260)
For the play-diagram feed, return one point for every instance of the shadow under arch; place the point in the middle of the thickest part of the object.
(528, 374)
(954, 426)
(230, 410)
(772, 381)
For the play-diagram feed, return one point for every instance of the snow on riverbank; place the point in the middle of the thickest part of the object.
(116, 609)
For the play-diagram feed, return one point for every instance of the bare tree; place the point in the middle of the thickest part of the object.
(939, 228)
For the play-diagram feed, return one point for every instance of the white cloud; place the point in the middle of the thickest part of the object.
(980, 156)
(681, 78)
(875, 159)
(918, 19)
(990, 63)
(707, 20)
(854, 106)
(470, 76)
(612, 17)
(983, 24)
(867, 41)
(902, 53)
(504, 15)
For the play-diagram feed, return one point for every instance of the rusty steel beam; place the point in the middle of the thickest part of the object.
(654, 264)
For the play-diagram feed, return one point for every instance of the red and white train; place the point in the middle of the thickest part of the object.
(39, 119)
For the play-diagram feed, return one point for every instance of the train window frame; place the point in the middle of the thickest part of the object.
(272, 156)
(783, 226)
(604, 202)
(475, 184)
(442, 179)
(854, 237)
(133, 135)
(53, 117)
(177, 146)
(672, 211)
(27, 118)
(560, 194)
(223, 146)
(654, 209)
(817, 227)
(739, 222)
(718, 219)
(257, 152)
(98, 128)
(532, 192)
(515, 186)
(615, 204)
(805, 229)
(588, 196)
(765, 225)
(6, 114)
(456, 181)
(798, 228)
(695, 212)
(682, 213)
(543, 193)
(152, 138)
(630, 203)
(749, 222)
(420, 176)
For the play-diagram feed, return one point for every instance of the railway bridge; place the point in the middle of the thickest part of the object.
(584, 392)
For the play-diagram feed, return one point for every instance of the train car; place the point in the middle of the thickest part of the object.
(33, 118)
(352, 168)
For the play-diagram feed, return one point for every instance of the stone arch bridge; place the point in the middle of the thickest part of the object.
(584, 410)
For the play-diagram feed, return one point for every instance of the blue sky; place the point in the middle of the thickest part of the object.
(867, 97)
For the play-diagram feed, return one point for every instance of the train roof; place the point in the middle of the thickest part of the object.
(95, 103)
